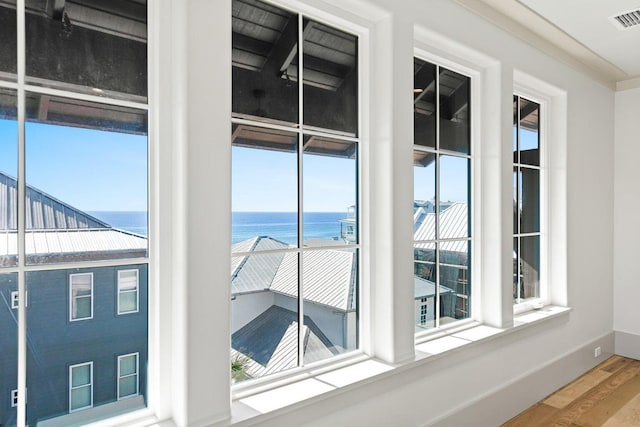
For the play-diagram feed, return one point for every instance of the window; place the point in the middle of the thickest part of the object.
(295, 147)
(14, 398)
(80, 386)
(527, 167)
(81, 296)
(127, 291)
(74, 179)
(127, 375)
(442, 194)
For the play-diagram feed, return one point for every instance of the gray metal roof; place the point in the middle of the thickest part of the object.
(270, 342)
(43, 212)
(453, 224)
(426, 288)
(329, 276)
(58, 231)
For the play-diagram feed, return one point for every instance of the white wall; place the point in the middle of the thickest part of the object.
(420, 393)
(626, 231)
(245, 308)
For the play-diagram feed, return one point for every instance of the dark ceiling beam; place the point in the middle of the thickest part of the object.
(249, 44)
(280, 51)
(55, 9)
(293, 50)
(456, 102)
(424, 79)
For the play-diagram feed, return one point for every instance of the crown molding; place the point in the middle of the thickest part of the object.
(523, 23)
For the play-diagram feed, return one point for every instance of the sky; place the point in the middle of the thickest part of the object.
(88, 169)
(266, 181)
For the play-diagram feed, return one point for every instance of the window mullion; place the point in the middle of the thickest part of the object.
(300, 192)
(22, 313)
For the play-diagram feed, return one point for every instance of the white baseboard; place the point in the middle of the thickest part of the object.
(498, 406)
(627, 344)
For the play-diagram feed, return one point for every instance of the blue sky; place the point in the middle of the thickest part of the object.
(89, 169)
(266, 181)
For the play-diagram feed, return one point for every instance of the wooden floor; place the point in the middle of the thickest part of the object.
(608, 395)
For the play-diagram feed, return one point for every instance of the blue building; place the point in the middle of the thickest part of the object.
(86, 327)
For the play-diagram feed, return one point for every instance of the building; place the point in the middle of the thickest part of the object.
(87, 327)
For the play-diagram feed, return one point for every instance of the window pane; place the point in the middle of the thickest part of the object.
(80, 398)
(265, 61)
(264, 189)
(454, 112)
(424, 103)
(88, 47)
(529, 138)
(454, 197)
(424, 195)
(530, 266)
(127, 280)
(8, 47)
(455, 281)
(425, 278)
(8, 174)
(330, 182)
(530, 203)
(81, 308)
(128, 365)
(128, 302)
(83, 160)
(264, 307)
(330, 78)
(100, 340)
(330, 292)
(80, 375)
(128, 386)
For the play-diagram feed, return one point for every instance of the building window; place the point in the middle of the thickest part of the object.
(295, 147)
(14, 398)
(127, 291)
(81, 296)
(15, 300)
(527, 168)
(442, 193)
(80, 386)
(127, 375)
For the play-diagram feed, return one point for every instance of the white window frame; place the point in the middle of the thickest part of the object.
(136, 291)
(471, 68)
(71, 297)
(137, 375)
(14, 398)
(90, 385)
(543, 101)
(360, 30)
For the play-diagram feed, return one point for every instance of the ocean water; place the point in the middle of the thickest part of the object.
(283, 226)
(133, 221)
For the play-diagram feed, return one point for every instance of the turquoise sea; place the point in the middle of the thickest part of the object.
(283, 226)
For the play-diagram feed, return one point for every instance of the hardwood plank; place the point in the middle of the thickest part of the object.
(600, 413)
(537, 415)
(614, 363)
(577, 408)
(577, 388)
(627, 416)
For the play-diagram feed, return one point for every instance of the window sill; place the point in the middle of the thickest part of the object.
(314, 386)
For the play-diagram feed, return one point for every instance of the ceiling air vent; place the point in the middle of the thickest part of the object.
(627, 20)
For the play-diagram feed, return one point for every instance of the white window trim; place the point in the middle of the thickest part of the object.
(15, 299)
(14, 398)
(71, 318)
(137, 291)
(543, 117)
(71, 388)
(137, 375)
